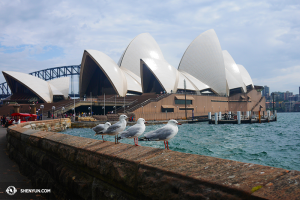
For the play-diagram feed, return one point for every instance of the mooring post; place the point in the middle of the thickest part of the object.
(229, 115)
(269, 115)
(216, 118)
(220, 115)
(239, 117)
(247, 113)
(259, 117)
(275, 115)
(209, 115)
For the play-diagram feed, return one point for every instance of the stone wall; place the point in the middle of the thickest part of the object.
(82, 168)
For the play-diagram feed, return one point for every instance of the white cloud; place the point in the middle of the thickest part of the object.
(262, 36)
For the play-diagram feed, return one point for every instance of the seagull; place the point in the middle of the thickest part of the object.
(100, 128)
(164, 133)
(117, 127)
(134, 131)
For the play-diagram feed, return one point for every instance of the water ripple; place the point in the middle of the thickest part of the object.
(274, 144)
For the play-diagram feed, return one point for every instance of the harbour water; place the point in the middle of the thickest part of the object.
(274, 144)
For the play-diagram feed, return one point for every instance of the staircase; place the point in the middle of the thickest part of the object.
(146, 101)
(257, 103)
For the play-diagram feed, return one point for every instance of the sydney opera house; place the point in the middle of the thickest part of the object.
(142, 68)
(206, 72)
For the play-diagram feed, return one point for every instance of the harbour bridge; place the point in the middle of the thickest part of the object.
(48, 74)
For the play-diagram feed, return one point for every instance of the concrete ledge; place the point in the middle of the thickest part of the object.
(82, 168)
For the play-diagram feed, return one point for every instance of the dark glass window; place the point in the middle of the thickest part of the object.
(182, 101)
(167, 109)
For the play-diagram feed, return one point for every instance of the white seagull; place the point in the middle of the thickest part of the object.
(116, 128)
(134, 131)
(100, 128)
(164, 133)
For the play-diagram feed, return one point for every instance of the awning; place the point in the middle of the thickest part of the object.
(167, 106)
(182, 97)
(187, 108)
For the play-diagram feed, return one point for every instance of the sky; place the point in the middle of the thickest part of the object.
(263, 36)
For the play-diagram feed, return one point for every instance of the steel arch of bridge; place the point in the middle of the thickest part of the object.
(45, 74)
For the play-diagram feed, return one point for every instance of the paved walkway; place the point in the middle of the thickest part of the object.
(10, 175)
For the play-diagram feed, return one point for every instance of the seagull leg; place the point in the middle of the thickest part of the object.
(165, 143)
(136, 142)
(168, 145)
(103, 138)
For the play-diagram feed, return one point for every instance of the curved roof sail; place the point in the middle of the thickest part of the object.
(204, 60)
(142, 46)
(100, 74)
(233, 69)
(36, 85)
(245, 76)
(164, 73)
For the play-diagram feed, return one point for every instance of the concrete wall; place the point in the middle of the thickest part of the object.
(82, 168)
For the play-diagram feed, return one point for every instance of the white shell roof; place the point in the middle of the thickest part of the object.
(132, 83)
(233, 69)
(35, 84)
(62, 86)
(189, 85)
(231, 80)
(204, 59)
(110, 69)
(142, 46)
(197, 83)
(245, 76)
(166, 74)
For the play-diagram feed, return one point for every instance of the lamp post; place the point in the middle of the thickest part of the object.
(124, 103)
(185, 98)
(42, 107)
(74, 105)
(114, 108)
(91, 104)
(103, 110)
(74, 113)
(53, 108)
(104, 103)
(63, 110)
(89, 108)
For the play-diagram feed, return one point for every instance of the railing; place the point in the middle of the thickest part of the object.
(148, 101)
(257, 103)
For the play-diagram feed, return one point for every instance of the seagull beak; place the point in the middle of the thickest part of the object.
(146, 122)
(178, 124)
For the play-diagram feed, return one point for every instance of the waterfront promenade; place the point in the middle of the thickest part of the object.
(10, 175)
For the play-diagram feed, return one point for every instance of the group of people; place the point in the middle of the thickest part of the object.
(3, 120)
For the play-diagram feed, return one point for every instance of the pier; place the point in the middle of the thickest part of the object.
(237, 118)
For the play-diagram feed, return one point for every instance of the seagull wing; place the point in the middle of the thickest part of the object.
(159, 134)
(113, 128)
(132, 131)
(99, 128)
